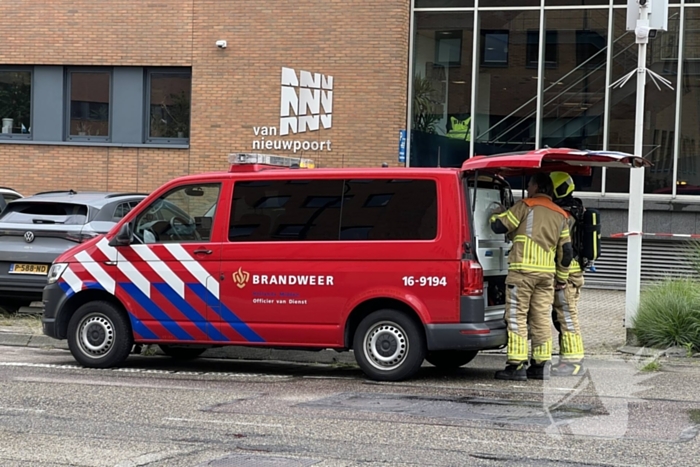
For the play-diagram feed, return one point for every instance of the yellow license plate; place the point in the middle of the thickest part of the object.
(21, 268)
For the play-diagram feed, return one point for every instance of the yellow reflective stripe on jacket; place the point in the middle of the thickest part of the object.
(574, 267)
(564, 233)
(534, 257)
(562, 276)
(509, 216)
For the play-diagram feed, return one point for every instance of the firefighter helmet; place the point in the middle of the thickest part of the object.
(563, 184)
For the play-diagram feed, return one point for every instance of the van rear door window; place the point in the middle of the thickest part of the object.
(389, 210)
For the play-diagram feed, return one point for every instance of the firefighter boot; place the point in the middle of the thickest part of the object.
(568, 369)
(539, 370)
(513, 372)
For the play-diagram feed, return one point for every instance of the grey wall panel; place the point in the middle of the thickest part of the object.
(127, 105)
(47, 104)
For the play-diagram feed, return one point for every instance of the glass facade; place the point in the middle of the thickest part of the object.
(476, 86)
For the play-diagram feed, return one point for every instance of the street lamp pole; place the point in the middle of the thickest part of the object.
(642, 24)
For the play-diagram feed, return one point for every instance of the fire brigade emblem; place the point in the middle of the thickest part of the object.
(241, 278)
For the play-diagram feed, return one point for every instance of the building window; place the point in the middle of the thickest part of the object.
(89, 105)
(15, 103)
(169, 98)
(448, 48)
(550, 50)
(590, 48)
(494, 48)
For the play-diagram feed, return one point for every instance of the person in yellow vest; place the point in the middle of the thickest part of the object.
(565, 309)
(540, 255)
(460, 129)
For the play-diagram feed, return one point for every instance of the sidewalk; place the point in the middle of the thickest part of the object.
(601, 314)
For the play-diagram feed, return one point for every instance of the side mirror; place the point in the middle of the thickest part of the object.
(123, 237)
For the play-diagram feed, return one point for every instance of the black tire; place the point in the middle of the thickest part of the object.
(182, 352)
(99, 335)
(403, 345)
(450, 359)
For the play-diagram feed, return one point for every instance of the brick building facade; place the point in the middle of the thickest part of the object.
(362, 45)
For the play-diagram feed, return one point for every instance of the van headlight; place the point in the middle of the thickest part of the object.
(56, 271)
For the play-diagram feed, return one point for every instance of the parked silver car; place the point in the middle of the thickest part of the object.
(36, 229)
(7, 195)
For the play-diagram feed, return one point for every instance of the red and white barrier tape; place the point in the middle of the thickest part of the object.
(629, 234)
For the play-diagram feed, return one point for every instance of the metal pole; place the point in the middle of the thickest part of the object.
(636, 197)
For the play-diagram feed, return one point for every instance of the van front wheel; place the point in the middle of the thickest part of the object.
(389, 346)
(450, 359)
(99, 335)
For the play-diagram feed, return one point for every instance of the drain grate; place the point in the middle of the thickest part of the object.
(464, 408)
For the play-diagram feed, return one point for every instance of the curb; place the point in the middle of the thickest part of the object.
(17, 339)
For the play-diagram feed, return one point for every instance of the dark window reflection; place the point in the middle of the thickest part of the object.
(659, 106)
(15, 102)
(688, 182)
(442, 85)
(382, 210)
(283, 211)
(370, 210)
(170, 105)
(89, 104)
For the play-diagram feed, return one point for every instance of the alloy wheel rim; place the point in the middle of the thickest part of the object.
(95, 336)
(386, 346)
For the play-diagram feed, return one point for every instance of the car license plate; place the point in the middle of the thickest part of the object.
(22, 268)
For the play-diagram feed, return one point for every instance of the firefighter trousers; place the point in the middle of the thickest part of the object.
(529, 296)
(565, 314)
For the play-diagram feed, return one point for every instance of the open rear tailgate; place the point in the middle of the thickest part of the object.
(572, 161)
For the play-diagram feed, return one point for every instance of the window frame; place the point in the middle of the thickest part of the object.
(148, 76)
(109, 71)
(20, 136)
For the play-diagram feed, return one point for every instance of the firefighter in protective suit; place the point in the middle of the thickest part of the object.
(565, 309)
(540, 254)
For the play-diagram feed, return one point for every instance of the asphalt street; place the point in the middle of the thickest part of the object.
(214, 412)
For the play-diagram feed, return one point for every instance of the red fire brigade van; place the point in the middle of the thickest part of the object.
(397, 264)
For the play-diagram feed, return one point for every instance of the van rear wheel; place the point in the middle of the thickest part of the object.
(450, 359)
(99, 335)
(389, 346)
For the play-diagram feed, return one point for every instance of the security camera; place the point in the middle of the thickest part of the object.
(221, 44)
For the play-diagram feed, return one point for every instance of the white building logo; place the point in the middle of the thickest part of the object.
(305, 101)
(306, 105)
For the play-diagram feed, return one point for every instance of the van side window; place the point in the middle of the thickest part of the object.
(185, 214)
(389, 210)
(311, 210)
(285, 210)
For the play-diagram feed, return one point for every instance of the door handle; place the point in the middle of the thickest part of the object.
(202, 252)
